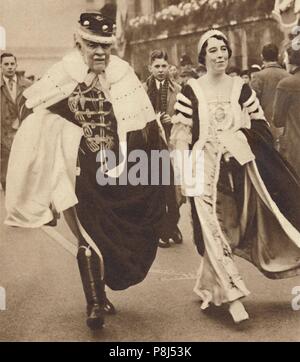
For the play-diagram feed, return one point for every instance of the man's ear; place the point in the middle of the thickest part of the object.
(78, 45)
(77, 42)
(150, 68)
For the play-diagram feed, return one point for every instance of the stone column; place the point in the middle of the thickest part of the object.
(244, 46)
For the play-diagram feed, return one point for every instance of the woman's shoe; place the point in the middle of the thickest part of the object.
(238, 311)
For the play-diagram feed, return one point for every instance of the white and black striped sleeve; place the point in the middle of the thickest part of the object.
(182, 119)
(183, 105)
(250, 102)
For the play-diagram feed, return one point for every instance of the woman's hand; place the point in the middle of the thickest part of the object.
(227, 155)
(165, 118)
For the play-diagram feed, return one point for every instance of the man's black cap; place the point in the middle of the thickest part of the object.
(97, 27)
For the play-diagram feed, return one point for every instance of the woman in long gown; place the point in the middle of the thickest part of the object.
(250, 201)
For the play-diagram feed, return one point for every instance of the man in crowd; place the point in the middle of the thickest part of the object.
(287, 110)
(12, 87)
(265, 82)
(162, 92)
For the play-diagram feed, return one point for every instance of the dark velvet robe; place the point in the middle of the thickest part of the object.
(125, 222)
(279, 178)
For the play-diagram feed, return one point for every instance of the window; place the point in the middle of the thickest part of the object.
(137, 8)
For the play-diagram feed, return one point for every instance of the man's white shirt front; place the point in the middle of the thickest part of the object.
(159, 83)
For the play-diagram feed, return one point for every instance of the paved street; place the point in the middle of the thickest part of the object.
(45, 300)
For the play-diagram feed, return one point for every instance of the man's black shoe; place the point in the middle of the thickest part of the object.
(109, 308)
(164, 244)
(95, 318)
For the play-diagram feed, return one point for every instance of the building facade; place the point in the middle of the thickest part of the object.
(177, 26)
(39, 32)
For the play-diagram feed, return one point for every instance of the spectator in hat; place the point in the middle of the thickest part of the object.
(254, 69)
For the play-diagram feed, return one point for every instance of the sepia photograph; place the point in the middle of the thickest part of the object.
(150, 173)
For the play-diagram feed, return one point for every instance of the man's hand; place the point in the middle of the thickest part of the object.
(165, 118)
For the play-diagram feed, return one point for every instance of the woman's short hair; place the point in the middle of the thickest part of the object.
(202, 54)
